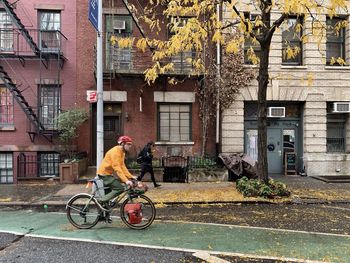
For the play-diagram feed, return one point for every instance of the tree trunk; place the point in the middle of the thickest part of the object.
(263, 80)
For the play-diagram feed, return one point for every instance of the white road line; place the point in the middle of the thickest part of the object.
(209, 258)
(193, 251)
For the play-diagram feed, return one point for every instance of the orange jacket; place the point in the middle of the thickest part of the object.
(114, 162)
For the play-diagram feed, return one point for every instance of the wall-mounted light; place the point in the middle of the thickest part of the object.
(127, 117)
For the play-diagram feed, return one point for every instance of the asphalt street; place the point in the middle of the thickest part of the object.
(40, 250)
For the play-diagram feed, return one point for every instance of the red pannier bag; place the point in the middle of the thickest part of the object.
(134, 212)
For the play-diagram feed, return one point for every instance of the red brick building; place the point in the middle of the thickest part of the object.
(37, 80)
(47, 59)
(164, 113)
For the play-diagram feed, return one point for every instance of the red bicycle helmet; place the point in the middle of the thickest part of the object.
(124, 139)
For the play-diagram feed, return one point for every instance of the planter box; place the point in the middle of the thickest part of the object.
(70, 172)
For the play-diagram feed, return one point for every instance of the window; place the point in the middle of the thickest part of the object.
(335, 46)
(49, 164)
(336, 132)
(6, 33)
(249, 44)
(6, 168)
(183, 60)
(118, 26)
(291, 41)
(251, 144)
(50, 26)
(49, 105)
(174, 122)
(6, 107)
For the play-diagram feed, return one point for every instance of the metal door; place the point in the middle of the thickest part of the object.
(274, 150)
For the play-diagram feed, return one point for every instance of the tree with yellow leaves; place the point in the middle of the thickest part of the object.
(195, 22)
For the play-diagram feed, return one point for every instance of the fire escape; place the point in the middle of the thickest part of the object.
(24, 47)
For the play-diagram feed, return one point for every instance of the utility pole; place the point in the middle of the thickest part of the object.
(95, 17)
(218, 72)
(99, 77)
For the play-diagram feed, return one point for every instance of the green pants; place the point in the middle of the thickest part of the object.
(115, 186)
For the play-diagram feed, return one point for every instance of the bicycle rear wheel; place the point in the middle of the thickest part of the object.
(138, 219)
(83, 211)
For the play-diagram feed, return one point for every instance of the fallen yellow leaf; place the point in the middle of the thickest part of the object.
(6, 199)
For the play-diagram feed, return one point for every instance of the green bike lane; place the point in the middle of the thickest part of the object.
(225, 239)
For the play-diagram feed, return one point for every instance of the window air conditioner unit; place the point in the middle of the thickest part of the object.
(119, 25)
(276, 112)
(341, 107)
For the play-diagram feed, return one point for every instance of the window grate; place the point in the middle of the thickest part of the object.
(49, 164)
(336, 133)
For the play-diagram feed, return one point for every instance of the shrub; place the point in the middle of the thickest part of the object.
(256, 188)
(68, 123)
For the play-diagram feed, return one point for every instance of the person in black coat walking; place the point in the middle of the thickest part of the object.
(146, 157)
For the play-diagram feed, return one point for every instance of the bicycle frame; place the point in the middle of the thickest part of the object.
(115, 200)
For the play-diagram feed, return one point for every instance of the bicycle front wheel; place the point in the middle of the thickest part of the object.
(138, 212)
(83, 211)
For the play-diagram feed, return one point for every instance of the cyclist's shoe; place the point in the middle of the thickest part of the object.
(109, 219)
(105, 217)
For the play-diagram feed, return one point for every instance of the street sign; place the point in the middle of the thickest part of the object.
(93, 13)
(91, 96)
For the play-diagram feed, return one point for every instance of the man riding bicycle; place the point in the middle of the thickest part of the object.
(114, 163)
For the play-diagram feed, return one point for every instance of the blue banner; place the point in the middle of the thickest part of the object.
(93, 13)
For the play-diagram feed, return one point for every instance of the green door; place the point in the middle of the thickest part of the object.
(281, 138)
(274, 150)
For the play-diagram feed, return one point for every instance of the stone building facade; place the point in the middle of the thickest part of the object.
(315, 127)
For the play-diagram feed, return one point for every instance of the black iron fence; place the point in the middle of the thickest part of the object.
(38, 165)
(193, 162)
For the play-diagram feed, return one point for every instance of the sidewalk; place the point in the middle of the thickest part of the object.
(304, 190)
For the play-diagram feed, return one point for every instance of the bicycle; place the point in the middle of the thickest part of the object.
(137, 211)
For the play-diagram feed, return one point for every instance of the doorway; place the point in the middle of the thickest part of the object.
(112, 127)
(282, 137)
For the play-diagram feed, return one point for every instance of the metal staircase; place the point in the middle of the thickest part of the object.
(17, 94)
(36, 126)
(9, 9)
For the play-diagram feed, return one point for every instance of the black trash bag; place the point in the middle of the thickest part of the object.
(239, 165)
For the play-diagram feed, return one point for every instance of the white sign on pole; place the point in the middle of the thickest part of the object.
(91, 96)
